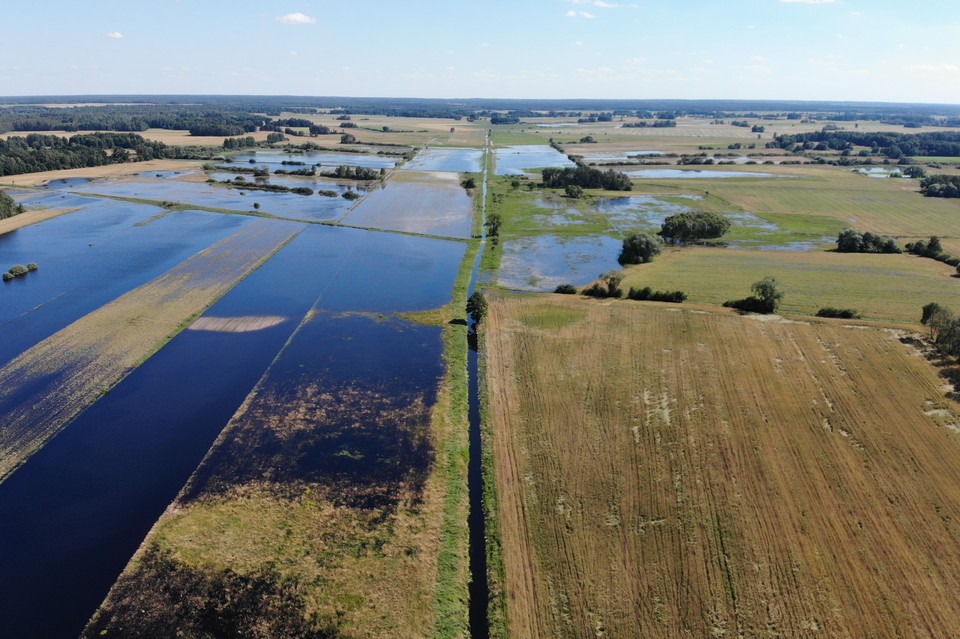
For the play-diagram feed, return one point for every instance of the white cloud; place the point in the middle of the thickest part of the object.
(943, 66)
(484, 45)
(115, 35)
(571, 13)
(583, 14)
(296, 18)
(809, 1)
(579, 43)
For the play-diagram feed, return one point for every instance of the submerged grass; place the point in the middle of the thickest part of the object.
(49, 384)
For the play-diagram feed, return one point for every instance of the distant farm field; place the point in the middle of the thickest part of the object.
(887, 287)
(667, 472)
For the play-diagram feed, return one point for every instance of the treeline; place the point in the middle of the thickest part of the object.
(355, 173)
(656, 124)
(587, 178)
(892, 145)
(8, 208)
(37, 152)
(851, 241)
(941, 186)
(198, 119)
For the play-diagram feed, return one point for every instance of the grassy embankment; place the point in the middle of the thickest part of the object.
(72, 368)
(667, 472)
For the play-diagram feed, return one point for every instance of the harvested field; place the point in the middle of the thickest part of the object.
(321, 493)
(49, 384)
(29, 217)
(666, 472)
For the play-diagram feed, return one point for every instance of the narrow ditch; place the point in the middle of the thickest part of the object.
(479, 590)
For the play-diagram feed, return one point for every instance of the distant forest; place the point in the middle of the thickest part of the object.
(892, 145)
(37, 152)
(236, 115)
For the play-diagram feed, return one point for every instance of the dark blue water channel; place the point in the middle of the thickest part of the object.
(90, 257)
(71, 517)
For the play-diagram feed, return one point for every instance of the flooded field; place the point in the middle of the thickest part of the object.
(456, 160)
(543, 262)
(142, 446)
(275, 160)
(435, 207)
(515, 160)
(313, 208)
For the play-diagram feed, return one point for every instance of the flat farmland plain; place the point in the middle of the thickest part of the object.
(684, 473)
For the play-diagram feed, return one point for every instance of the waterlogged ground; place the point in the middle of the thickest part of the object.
(275, 160)
(699, 174)
(90, 257)
(432, 206)
(516, 160)
(543, 262)
(310, 208)
(369, 363)
(446, 159)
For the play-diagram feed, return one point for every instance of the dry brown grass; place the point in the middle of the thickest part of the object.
(29, 217)
(49, 384)
(680, 473)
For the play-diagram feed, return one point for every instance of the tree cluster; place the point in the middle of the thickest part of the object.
(944, 328)
(892, 145)
(8, 207)
(354, 173)
(37, 152)
(765, 299)
(647, 294)
(851, 241)
(608, 285)
(692, 226)
(586, 178)
(640, 248)
(941, 186)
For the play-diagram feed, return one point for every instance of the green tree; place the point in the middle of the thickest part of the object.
(348, 138)
(689, 227)
(640, 248)
(573, 191)
(477, 307)
(768, 292)
(494, 222)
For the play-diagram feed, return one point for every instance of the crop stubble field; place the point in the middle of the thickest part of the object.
(683, 473)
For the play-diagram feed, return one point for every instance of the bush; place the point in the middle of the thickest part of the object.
(573, 191)
(842, 313)
(647, 294)
(32, 266)
(640, 248)
(469, 183)
(327, 193)
(608, 285)
(7, 276)
(688, 227)
(302, 190)
(566, 289)
(851, 241)
(350, 195)
(18, 270)
(477, 307)
(765, 299)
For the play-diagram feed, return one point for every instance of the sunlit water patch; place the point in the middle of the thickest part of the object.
(513, 160)
(541, 263)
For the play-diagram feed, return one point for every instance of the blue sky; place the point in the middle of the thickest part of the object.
(872, 50)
